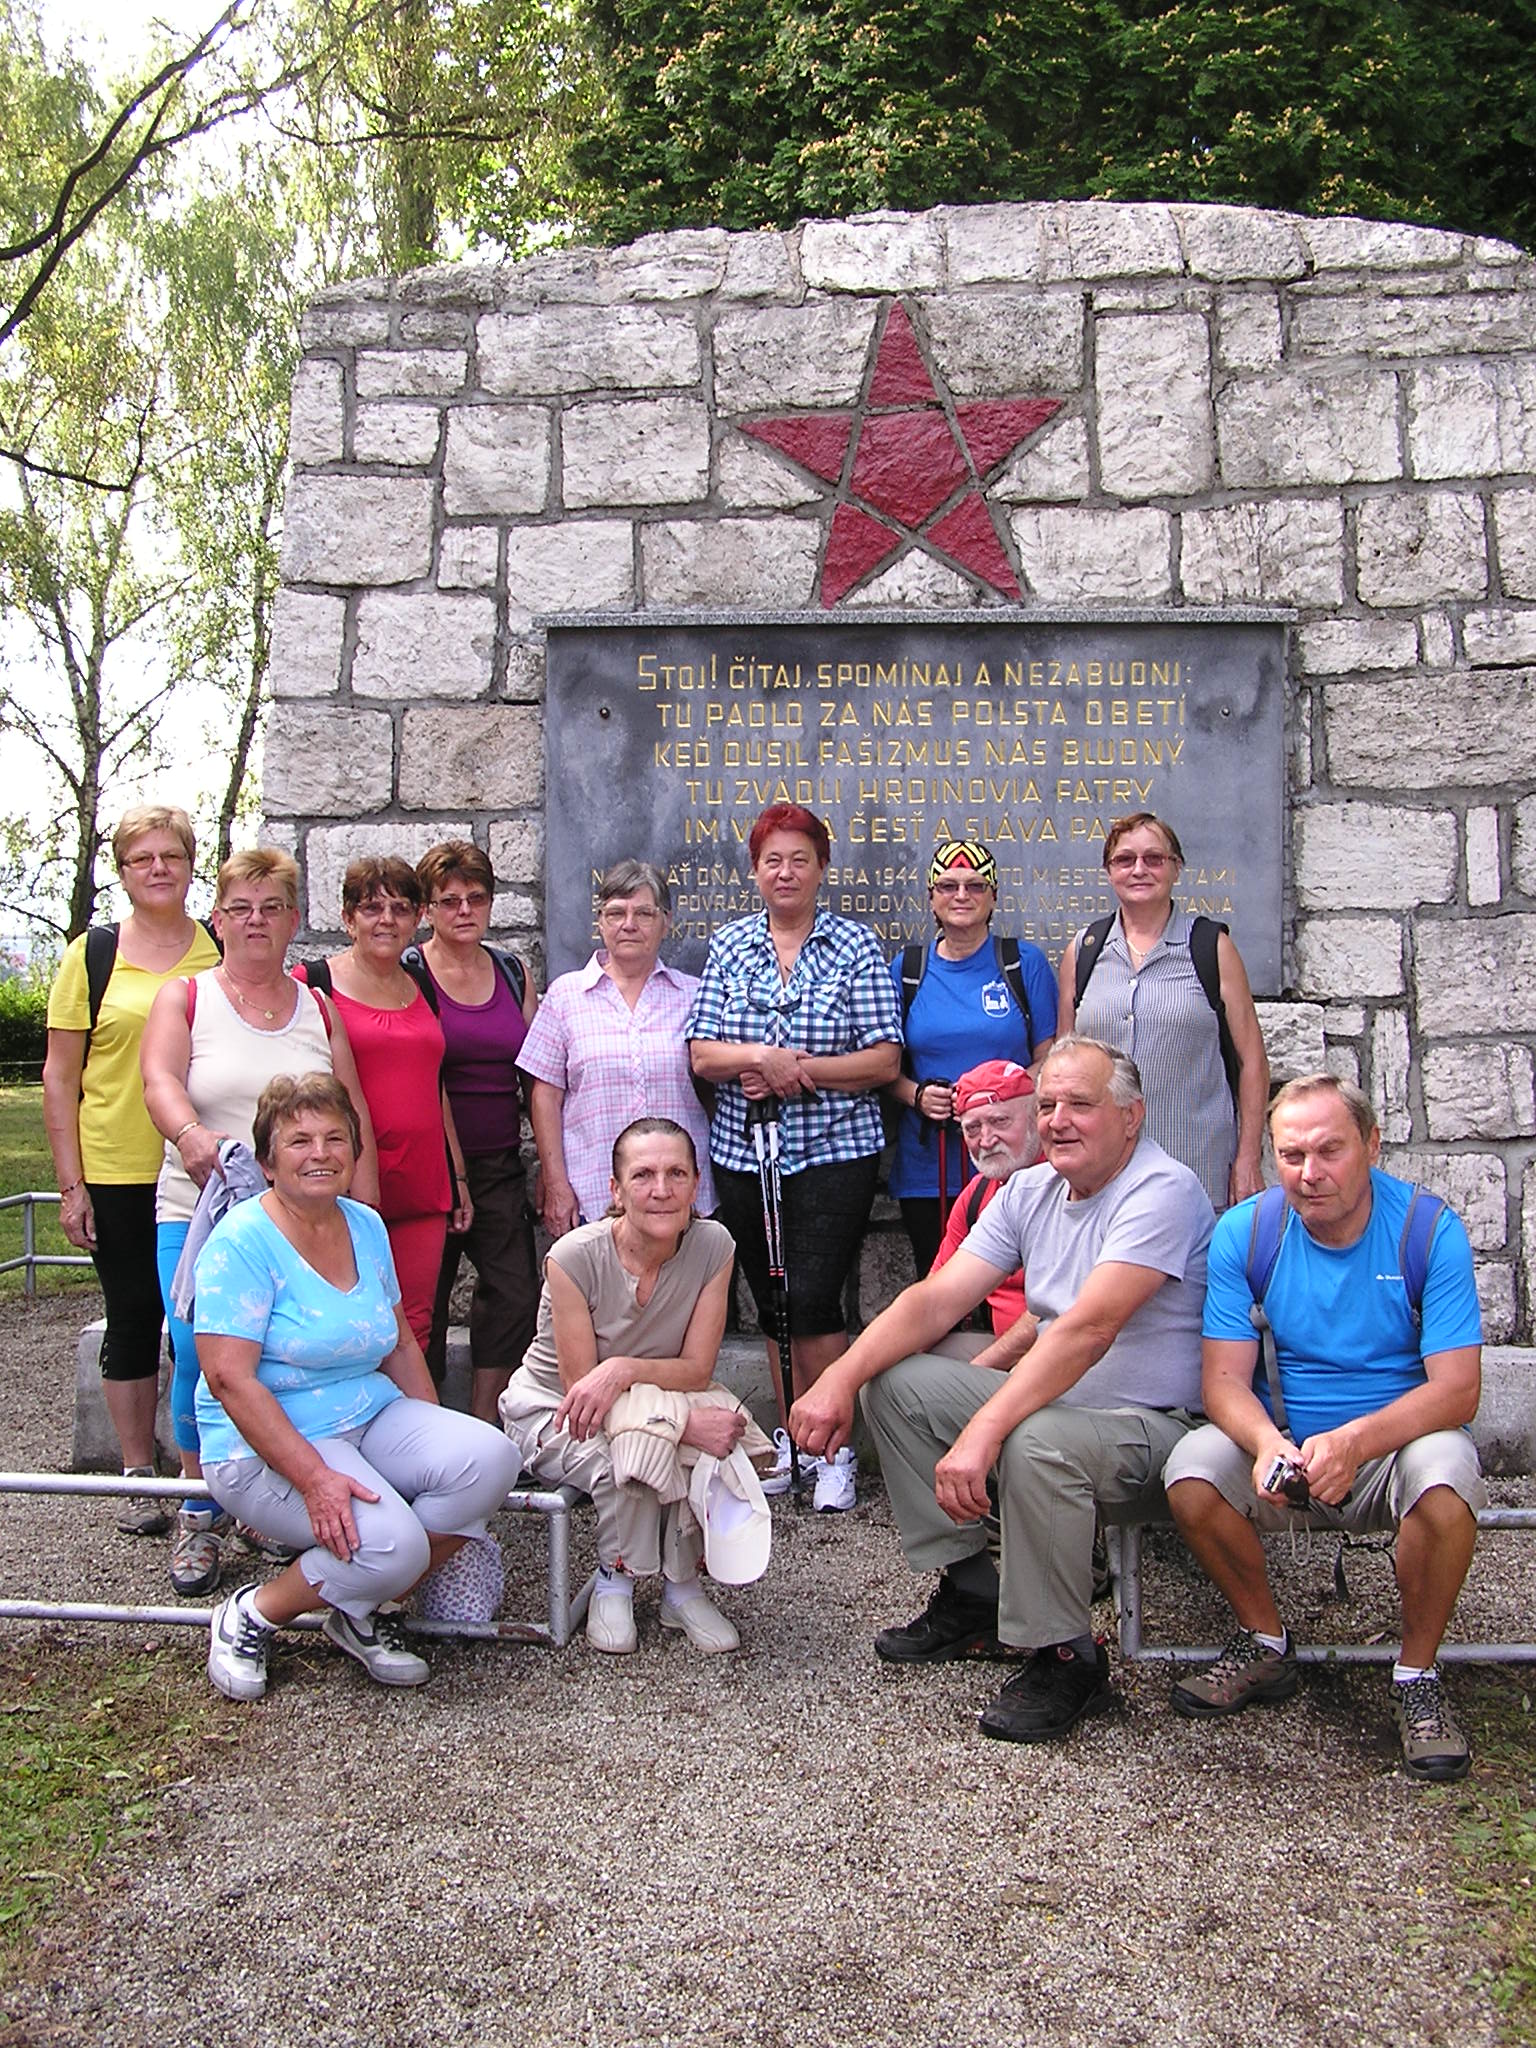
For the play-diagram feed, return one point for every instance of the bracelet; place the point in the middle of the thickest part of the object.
(190, 1125)
(71, 1188)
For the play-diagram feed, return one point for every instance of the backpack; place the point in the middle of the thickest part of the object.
(101, 958)
(511, 969)
(1271, 1220)
(1005, 951)
(1204, 932)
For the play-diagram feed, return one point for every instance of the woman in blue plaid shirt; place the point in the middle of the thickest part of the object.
(798, 1005)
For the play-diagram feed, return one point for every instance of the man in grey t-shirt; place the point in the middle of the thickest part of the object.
(1075, 1409)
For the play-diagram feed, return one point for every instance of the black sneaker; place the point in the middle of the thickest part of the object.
(1051, 1694)
(953, 1625)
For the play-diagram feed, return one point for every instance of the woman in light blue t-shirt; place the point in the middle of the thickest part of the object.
(319, 1424)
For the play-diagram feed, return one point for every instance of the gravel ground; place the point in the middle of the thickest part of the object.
(793, 1845)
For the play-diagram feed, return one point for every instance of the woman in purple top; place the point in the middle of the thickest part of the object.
(485, 1003)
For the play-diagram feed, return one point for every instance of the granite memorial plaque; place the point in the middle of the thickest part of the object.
(666, 737)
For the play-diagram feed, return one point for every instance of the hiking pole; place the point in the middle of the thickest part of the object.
(763, 1123)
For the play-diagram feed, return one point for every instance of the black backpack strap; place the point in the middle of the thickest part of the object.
(318, 974)
(914, 965)
(1089, 947)
(100, 956)
(1006, 953)
(513, 973)
(414, 963)
(1204, 937)
(975, 1195)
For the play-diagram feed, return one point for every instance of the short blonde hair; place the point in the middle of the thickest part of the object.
(139, 819)
(260, 864)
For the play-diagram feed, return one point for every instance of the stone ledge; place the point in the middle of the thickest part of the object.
(1505, 1429)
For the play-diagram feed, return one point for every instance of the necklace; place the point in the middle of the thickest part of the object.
(245, 1002)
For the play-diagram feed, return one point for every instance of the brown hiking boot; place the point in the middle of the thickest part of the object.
(1245, 1673)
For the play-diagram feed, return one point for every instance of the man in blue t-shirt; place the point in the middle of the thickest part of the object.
(1369, 1433)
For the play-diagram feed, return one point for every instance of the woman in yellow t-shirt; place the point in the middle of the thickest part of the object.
(106, 1152)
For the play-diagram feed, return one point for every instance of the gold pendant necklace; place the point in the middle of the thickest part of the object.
(270, 1015)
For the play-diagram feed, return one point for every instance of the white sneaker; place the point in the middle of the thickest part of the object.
(690, 1609)
(611, 1615)
(834, 1483)
(780, 1479)
(237, 1648)
(378, 1644)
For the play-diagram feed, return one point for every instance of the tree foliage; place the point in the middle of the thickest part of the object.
(455, 117)
(85, 574)
(757, 112)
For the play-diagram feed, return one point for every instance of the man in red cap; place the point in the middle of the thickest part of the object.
(994, 1104)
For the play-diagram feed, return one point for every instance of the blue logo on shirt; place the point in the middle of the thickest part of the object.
(994, 999)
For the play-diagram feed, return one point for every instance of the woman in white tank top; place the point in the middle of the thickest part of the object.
(212, 1043)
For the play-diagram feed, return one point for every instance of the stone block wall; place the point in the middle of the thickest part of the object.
(1338, 416)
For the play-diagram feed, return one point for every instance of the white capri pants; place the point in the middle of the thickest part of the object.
(436, 1472)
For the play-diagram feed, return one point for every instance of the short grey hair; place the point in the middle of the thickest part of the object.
(626, 876)
(1124, 1074)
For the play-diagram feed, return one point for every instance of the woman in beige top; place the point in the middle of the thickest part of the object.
(637, 1298)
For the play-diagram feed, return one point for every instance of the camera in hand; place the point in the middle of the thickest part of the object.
(1286, 1477)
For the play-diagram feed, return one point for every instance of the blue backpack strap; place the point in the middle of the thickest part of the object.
(1419, 1225)
(1271, 1218)
(1089, 947)
(1271, 1214)
(1005, 951)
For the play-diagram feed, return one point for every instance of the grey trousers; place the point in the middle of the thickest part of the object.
(436, 1472)
(1057, 1470)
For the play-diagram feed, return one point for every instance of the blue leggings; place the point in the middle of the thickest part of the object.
(169, 1239)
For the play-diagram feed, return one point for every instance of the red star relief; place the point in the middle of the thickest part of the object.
(911, 471)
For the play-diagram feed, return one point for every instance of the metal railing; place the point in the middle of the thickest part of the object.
(1126, 1564)
(565, 1610)
(31, 1258)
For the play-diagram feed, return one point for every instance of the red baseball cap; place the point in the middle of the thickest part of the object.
(992, 1081)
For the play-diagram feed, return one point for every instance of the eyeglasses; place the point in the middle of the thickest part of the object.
(141, 863)
(378, 908)
(1154, 863)
(948, 888)
(475, 899)
(271, 908)
(627, 913)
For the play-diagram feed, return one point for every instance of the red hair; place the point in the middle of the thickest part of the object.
(790, 818)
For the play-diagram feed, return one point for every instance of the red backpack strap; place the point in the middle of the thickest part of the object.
(325, 1013)
(191, 999)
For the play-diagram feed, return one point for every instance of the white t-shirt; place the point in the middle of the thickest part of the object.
(1153, 1213)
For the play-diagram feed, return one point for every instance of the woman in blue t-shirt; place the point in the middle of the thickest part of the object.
(965, 1010)
(318, 1421)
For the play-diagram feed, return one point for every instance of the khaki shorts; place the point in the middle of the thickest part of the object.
(1385, 1489)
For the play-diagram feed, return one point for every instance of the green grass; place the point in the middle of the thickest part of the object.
(88, 1738)
(1495, 1840)
(26, 1163)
